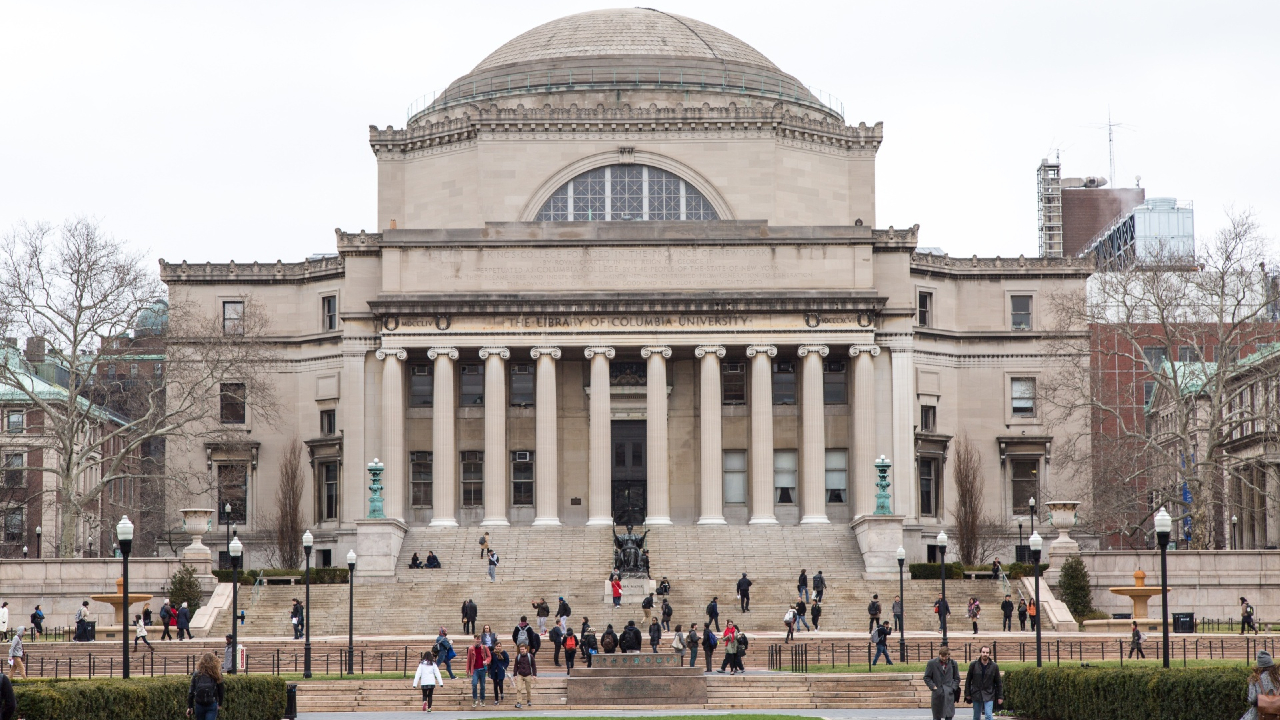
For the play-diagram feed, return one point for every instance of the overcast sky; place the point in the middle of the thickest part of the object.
(239, 130)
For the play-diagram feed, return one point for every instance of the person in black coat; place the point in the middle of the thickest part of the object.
(1006, 609)
(609, 640)
(802, 585)
(184, 622)
(8, 700)
(667, 612)
(713, 613)
(630, 640)
(556, 636)
(819, 586)
(655, 634)
(433, 562)
(744, 593)
(815, 612)
(982, 684)
(708, 646)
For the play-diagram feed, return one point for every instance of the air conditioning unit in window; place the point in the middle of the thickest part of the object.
(784, 367)
(833, 366)
(521, 369)
(472, 456)
(422, 369)
(523, 455)
(471, 369)
(735, 367)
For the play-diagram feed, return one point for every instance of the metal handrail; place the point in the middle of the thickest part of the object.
(682, 78)
(258, 583)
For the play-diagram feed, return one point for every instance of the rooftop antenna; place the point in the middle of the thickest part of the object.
(1111, 145)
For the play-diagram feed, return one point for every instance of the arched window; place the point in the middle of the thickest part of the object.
(627, 192)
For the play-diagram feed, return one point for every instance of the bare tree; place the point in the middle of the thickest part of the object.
(967, 512)
(287, 515)
(80, 291)
(1154, 382)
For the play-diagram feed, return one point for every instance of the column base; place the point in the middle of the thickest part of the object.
(716, 520)
(546, 522)
(443, 522)
(600, 521)
(657, 521)
(763, 520)
(495, 522)
(815, 520)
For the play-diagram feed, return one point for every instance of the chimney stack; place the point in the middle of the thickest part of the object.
(35, 350)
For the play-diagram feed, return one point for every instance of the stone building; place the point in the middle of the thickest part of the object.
(629, 270)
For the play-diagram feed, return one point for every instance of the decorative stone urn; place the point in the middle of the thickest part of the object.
(1062, 515)
(197, 522)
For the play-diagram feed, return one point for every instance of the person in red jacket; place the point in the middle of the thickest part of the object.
(616, 586)
(478, 657)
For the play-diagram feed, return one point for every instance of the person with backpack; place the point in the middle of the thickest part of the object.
(444, 651)
(1246, 617)
(166, 614)
(789, 620)
(615, 585)
(1022, 615)
(630, 641)
(802, 585)
(709, 641)
(570, 651)
(880, 638)
(484, 545)
(667, 612)
(800, 611)
(819, 586)
(498, 663)
(691, 642)
(655, 635)
(206, 694)
(478, 657)
(1135, 644)
(524, 634)
(556, 636)
(493, 565)
(744, 593)
(140, 633)
(526, 671)
(678, 646)
(542, 611)
(37, 621)
(942, 677)
(488, 637)
(647, 606)
(609, 640)
(1006, 612)
(873, 609)
(590, 646)
(742, 649)
(815, 613)
(713, 614)
(428, 678)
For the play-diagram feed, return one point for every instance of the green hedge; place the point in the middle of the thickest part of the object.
(1127, 693)
(248, 697)
(1020, 570)
(319, 576)
(929, 571)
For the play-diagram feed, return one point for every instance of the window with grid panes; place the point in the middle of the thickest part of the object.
(735, 476)
(784, 382)
(14, 524)
(928, 471)
(472, 390)
(233, 489)
(421, 385)
(1025, 480)
(733, 383)
(329, 312)
(232, 397)
(924, 308)
(233, 317)
(1020, 317)
(784, 476)
(13, 477)
(522, 390)
(522, 477)
(837, 480)
(835, 382)
(15, 421)
(473, 478)
(626, 193)
(421, 470)
(328, 473)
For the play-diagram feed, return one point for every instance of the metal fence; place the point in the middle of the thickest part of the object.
(277, 662)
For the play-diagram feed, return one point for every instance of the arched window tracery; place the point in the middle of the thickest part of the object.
(626, 192)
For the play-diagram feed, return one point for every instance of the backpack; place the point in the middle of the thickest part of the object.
(481, 539)
(205, 690)
(742, 642)
(522, 636)
(494, 557)
(712, 639)
(789, 617)
(608, 643)
(567, 610)
(570, 643)
(1142, 637)
(1248, 610)
(875, 636)
(442, 648)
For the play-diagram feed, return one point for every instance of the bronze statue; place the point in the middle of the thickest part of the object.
(627, 551)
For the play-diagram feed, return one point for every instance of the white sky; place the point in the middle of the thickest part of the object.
(239, 130)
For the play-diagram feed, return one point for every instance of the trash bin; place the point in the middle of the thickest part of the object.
(92, 629)
(291, 701)
(1184, 622)
(1121, 616)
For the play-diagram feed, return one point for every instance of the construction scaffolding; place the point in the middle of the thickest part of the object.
(1049, 206)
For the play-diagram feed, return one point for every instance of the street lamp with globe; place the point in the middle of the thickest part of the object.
(124, 533)
(902, 597)
(1164, 526)
(1037, 543)
(235, 549)
(942, 565)
(307, 542)
(351, 610)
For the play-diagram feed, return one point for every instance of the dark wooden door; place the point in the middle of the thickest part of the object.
(629, 477)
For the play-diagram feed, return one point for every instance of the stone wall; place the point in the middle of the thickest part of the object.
(1206, 582)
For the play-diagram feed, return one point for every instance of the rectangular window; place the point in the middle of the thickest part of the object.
(1188, 353)
(328, 422)
(1021, 316)
(733, 383)
(1026, 483)
(1155, 355)
(472, 384)
(928, 469)
(522, 386)
(837, 476)
(928, 418)
(835, 382)
(14, 525)
(1148, 389)
(522, 477)
(735, 476)
(422, 385)
(329, 487)
(232, 400)
(233, 317)
(329, 313)
(158, 369)
(233, 490)
(420, 478)
(15, 421)
(13, 477)
(784, 382)
(1023, 393)
(473, 479)
(924, 308)
(784, 477)
(133, 370)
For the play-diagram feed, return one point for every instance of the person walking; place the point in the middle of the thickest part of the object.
(562, 614)
(586, 624)
(206, 693)
(709, 641)
(742, 649)
(4, 621)
(488, 638)
(1246, 617)
(1022, 615)
(880, 636)
(444, 651)
(16, 654)
(655, 635)
(228, 654)
(801, 609)
(524, 634)
(691, 642)
(647, 606)
(469, 614)
(478, 657)
(184, 622)
(428, 678)
(982, 685)
(667, 612)
(570, 651)
(146, 614)
(1136, 641)
(802, 585)
(166, 614)
(630, 641)
(819, 586)
(1033, 612)
(82, 623)
(1006, 613)
(974, 612)
(744, 593)
(37, 621)
(943, 609)
(140, 633)
(873, 610)
(730, 649)
(678, 646)
(789, 621)
(713, 613)
(615, 585)
(484, 545)
(942, 677)
(542, 610)
(1264, 680)
(556, 636)
(590, 646)
(815, 613)
(609, 640)
(896, 609)
(493, 565)
(296, 618)
(526, 672)
(499, 661)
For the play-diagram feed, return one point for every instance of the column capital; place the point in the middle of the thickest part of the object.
(854, 350)
(821, 350)
(702, 350)
(645, 352)
(538, 352)
(599, 350)
(397, 353)
(770, 350)
(903, 342)
(449, 352)
(504, 353)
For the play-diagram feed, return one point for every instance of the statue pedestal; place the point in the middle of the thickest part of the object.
(378, 548)
(634, 590)
(879, 537)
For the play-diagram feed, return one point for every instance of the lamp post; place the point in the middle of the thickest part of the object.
(234, 549)
(1032, 503)
(942, 565)
(351, 610)
(226, 520)
(1164, 526)
(24, 552)
(1234, 520)
(1036, 544)
(307, 541)
(38, 543)
(902, 596)
(124, 532)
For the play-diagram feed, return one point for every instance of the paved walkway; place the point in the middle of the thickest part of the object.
(509, 712)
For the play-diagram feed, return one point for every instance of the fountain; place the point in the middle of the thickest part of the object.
(116, 601)
(1140, 594)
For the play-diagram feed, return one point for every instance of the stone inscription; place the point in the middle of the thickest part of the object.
(624, 322)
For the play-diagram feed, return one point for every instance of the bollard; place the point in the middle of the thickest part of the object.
(291, 701)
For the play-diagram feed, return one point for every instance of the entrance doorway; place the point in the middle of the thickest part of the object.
(630, 493)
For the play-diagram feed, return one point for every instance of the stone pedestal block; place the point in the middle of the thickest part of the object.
(377, 548)
(879, 537)
(637, 679)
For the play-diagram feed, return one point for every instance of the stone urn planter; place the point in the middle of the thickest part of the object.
(1062, 515)
(197, 522)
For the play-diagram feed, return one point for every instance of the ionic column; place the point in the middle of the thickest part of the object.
(813, 462)
(712, 480)
(546, 462)
(444, 447)
(659, 480)
(495, 435)
(904, 454)
(351, 409)
(762, 434)
(394, 478)
(864, 429)
(599, 435)
(1272, 500)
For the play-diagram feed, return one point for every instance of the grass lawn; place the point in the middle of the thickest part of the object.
(734, 716)
(1010, 665)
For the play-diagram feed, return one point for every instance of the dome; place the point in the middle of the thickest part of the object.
(625, 32)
